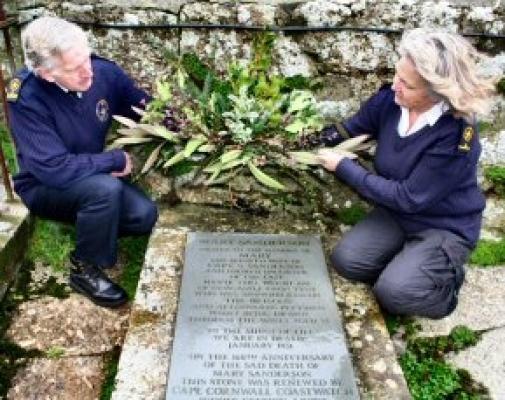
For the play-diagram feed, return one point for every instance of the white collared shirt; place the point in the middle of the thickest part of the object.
(429, 117)
(79, 94)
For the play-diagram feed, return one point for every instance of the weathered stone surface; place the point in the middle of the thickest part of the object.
(256, 14)
(345, 52)
(146, 353)
(262, 298)
(74, 325)
(485, 361)
(481, 305)
(493, 149)
(369, 339)
(493, 223)
(143, 366)
(66, 378)
(15, 226)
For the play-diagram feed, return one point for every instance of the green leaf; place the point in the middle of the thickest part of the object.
(164, 91)
(300, 100)
(174, 159)
(230, 155)
(192, 145)
(296, 126)
(152, 159)
(125, 121)
(264, 178)
(125, 141)
(160, 131)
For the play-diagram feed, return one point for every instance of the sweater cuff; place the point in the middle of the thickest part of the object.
(118, 160)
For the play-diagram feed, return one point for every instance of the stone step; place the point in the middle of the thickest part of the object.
(481, 304)
(481, 308)
(15, 227)
(145, 358)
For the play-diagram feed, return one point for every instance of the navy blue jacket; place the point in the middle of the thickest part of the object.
(59, 137)
(427, 179)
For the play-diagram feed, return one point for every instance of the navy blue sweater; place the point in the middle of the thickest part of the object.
(59, 137)
(426, 180)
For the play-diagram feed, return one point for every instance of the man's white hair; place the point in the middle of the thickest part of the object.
(448, 64)
(47, 38)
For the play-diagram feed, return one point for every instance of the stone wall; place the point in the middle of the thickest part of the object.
(352, 64)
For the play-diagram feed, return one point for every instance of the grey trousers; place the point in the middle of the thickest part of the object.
(412, 274)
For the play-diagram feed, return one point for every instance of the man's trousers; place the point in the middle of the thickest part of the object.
(102, 208)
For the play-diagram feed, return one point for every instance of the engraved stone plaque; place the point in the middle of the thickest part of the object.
(257, 320)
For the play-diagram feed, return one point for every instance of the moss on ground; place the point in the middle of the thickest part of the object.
(428, 376)
(8, 149)
(489, 253)
(132, 250)
(352, 215)
(496, 175)
(110, 372)
(51, 243)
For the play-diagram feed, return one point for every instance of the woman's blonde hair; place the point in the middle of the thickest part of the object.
(448, 63)
(48, 37)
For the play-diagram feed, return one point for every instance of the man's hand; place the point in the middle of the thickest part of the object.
(330, 159)
(127, 168)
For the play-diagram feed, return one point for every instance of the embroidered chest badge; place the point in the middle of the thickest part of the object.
(466, 138)
(102, 110)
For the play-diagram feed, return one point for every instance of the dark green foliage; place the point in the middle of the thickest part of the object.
(110, 370)
(51, 243)
(195, 68)
(500, 86)
(204, 83)
(489, 252)
(351, 215)
(300, 82)
(132, 251)
(459, 338)
(8, 149)
(496, 175)
(430, 377)
(485, 127)
(182, 168)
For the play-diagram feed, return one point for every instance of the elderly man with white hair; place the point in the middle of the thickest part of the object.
(428, 205)
(60, 108)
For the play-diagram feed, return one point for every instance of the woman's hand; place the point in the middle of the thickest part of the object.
(330, 159)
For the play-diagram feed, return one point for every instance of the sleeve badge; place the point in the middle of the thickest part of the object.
(13, 89)
(466, 138)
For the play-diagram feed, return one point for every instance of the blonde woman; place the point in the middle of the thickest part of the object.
(427, 218)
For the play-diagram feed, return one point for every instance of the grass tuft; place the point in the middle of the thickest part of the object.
(489, 253)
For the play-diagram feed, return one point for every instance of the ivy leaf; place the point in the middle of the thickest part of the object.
(164, 91)
(295, 127)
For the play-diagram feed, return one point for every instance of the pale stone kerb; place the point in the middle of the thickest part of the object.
(15, 230)
(145, 357)
(371, 345)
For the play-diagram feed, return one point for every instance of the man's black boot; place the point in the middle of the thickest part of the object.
(92, 282)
